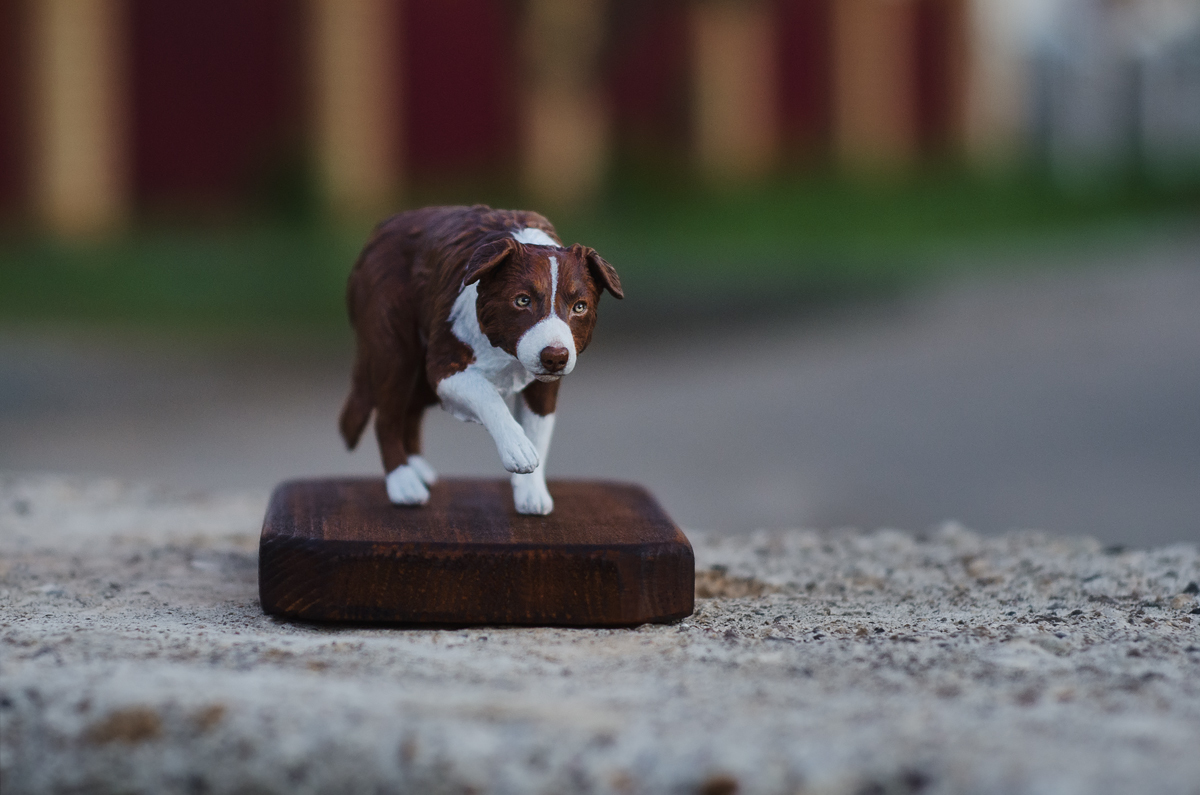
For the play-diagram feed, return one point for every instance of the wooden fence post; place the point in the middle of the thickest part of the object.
(80, 174)
(874, 84)
(998, 81)
(566, 126)
(356, 102)
(735, 94)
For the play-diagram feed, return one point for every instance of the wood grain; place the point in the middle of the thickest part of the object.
(338, 550)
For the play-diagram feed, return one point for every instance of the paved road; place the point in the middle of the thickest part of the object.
(1067, 401)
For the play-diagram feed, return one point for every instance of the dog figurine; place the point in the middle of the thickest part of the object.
(467, 307)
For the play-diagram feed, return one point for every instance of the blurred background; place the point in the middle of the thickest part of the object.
(888, 262)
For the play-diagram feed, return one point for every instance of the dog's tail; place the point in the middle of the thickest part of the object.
(358, 407)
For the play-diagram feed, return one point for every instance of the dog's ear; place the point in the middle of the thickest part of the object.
(488, 257)
(604, 274)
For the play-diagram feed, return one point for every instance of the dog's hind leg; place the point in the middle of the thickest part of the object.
(393, 398)
(422, 398)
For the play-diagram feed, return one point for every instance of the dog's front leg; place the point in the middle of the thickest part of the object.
(469, 396)
(535, 409)
(530, 494)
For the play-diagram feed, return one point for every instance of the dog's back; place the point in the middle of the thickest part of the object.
(406, 280)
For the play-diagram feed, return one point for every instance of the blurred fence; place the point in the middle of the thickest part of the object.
(110, 108)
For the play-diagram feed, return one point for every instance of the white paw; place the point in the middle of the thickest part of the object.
(517, 453)
(404, 487)
(531, 496)
(427, 473)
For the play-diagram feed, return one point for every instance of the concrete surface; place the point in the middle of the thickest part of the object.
(134, 658)
(1066, 400)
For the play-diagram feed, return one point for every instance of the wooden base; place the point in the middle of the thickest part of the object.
(337, 550)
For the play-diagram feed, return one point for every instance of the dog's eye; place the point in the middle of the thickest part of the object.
(580, 307)
(521, 301)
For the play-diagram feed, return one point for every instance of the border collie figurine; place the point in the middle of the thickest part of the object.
(468, 306)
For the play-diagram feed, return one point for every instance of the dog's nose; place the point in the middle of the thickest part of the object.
(554, 359)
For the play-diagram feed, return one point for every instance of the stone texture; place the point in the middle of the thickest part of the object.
(134, 658)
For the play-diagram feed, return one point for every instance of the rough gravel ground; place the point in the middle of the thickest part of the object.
(134, 658)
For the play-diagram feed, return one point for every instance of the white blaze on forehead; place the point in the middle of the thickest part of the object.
(549, 332)
(533, 237)
(553, 285)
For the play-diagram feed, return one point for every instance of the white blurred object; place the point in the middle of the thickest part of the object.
(1116, 87)
(1170, 94)
(1004, 35)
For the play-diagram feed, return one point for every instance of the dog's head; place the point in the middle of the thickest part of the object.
(539, 303)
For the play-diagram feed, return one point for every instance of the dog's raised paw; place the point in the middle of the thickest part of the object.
(426, 472)
(517, 453)
(405, 487)
(530, 495)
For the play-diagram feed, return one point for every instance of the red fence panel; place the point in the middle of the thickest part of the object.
(647, 73)
(805, 75)
(13, 150)
(459, 70)
(217, 95)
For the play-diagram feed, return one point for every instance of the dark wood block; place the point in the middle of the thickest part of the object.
(337, 550)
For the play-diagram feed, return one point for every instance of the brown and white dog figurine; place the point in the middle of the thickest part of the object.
(468, 306)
